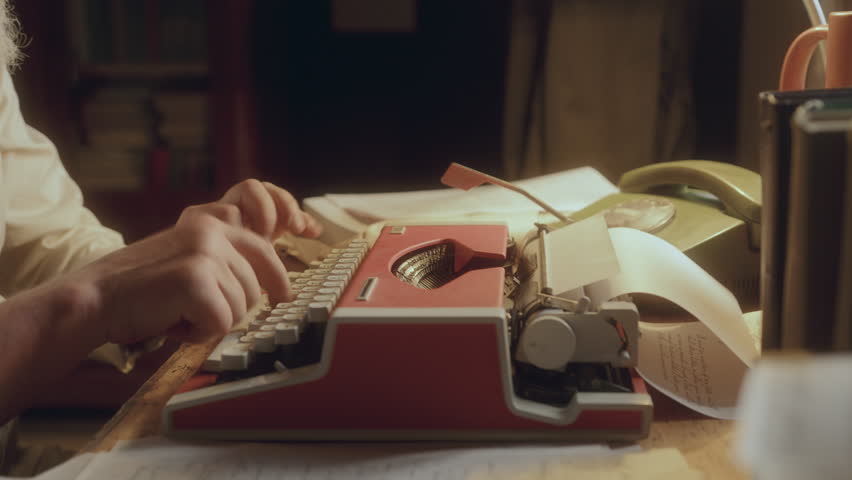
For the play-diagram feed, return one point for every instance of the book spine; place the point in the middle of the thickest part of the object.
(817, 176)
(118, 24)
(843, 322)
(78, 28)
(99, 42)
(774, 152)
(152, 22)
(158, 168)
(118, 126)
(136, 31)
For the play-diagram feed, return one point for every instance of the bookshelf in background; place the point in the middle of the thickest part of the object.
(143, 92)
(163, 106)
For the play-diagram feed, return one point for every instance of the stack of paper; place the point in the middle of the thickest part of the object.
(158, 458)
(346, 215)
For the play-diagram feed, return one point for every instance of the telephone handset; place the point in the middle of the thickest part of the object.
(708, 210)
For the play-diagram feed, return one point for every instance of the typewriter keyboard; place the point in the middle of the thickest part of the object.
(289, 334)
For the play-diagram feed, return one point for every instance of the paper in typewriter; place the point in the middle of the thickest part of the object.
(700, 364)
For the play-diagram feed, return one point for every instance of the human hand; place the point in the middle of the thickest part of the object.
(262, 207)
(196, 279)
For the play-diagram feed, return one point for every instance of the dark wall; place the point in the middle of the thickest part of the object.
(716, 77)
(378, 111)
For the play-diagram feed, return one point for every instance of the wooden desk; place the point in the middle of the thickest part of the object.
(705, 442)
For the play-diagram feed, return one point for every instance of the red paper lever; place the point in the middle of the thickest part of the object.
(465, 178)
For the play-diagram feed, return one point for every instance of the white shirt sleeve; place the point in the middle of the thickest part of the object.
(47, 229)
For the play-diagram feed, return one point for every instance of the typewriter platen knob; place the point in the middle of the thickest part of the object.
(547, 342)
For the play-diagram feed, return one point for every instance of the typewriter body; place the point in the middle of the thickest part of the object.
(434, 332)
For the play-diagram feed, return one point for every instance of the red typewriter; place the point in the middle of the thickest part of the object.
(433, 332)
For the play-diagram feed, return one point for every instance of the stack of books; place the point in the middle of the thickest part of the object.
(806, 238)
(183, 129)
(142, 67)
(118, 135)
(109, 32)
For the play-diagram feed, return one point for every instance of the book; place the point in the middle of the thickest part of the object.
(99, 42)
(183, 129)
(776, 110)
(111, 169)
(105, 32)
(189, 168)
(118, 133)
(814, 241)
(129, 51)
(117, 124)
(182, 28)
(843, 322)
(182, 118)
(117, 109)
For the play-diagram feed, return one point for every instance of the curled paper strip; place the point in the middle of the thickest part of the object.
(698, 364)
(651, 265)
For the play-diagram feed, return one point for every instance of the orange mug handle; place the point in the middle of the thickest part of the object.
(795, 66)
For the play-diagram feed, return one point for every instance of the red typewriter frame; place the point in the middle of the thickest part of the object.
(408, 364)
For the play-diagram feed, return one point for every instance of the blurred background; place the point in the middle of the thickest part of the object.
(157, 104)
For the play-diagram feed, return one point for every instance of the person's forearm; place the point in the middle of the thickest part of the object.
(44, 333)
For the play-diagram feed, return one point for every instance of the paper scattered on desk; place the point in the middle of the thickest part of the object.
(158, 458)
(568, 190)
(70, 470)
(691, 365)
(656, 464)
(346, 215)
(687, 362)
(796, 417)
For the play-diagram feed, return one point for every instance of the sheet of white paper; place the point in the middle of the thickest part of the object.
(796, 417)
(687, 362)
(567, 191)
(653, 266)
(597, 261)
(754, 323)
(65, 471)
(163, 459)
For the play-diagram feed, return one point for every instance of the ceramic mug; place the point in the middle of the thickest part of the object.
(838, 65)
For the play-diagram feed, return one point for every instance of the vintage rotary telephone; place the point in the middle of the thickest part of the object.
(708, 210)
